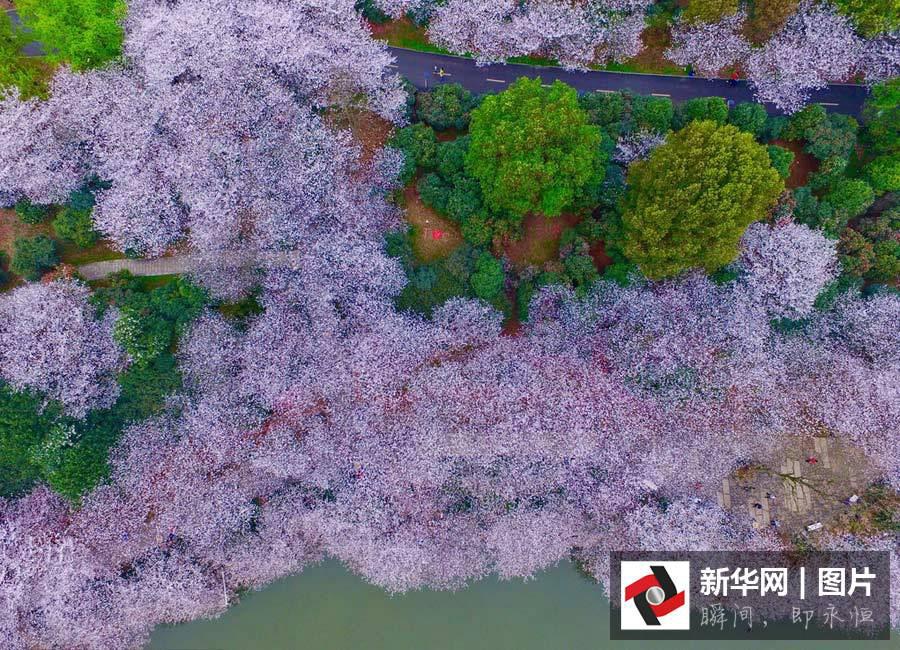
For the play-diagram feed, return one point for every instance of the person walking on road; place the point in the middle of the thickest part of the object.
(734, 79)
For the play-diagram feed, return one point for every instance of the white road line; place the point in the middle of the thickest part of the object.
(828, 104)
(602, 90)
(496, 81)
(660, 95)
(393, 65)
(546, 86)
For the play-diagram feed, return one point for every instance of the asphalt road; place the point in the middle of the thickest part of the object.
(418, 67)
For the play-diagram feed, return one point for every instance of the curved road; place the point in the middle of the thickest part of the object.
(418, 67)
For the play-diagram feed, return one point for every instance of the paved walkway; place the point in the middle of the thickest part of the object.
(179, 264)
(810, 489)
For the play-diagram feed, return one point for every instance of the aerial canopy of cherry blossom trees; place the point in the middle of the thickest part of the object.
(227, 159)
(51, 342)
(817, 45)
(418, 452)
(432, 452)
(709, 47)
(787, 265)
(574, 34)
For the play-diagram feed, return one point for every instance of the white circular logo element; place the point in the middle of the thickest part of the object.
(655, 595)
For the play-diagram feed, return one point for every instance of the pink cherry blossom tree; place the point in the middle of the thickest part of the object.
(709, 47)
(787, 265)
(817, 45)
(53, 343)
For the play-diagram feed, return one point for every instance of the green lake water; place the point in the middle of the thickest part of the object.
(328, 608)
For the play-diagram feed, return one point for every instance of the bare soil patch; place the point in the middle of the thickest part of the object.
(598, 254)
(804, 164)
(447, 136)
(540, 240)
(652, 58)
(434, 237)
(370, 131)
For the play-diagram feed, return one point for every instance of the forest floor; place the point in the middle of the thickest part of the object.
(539, 243)
(370, 131)
(804, 164)
(434, 236)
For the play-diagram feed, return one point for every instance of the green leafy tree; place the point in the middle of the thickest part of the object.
(881, 114)
(434, 192)
(76, 226)
(487, 280)
(834, 136)
(446, 107)
(371, 12)
(872, 16)
(478, 229)
(689, 203)
(83, 33)
(809, 210)
(883, 173)
(782, 159)
(150, 321)
(803, 121)
(464, 199)
(32, 256)
(31, 213)
(709, 11)
(653, 113)
(886, 267)
(532, 149)
(749, 117)
(451, 157)
(850, 198)
(419, 144)
(23, 423)
(856, 253)
(604, 109)
(703, 108)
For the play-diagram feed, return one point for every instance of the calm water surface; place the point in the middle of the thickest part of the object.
(328, 608)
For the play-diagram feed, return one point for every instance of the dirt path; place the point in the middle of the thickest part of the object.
(434, 236)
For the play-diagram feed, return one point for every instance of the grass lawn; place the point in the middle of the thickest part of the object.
(403, 33)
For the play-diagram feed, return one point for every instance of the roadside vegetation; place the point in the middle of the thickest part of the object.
(623, 189)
